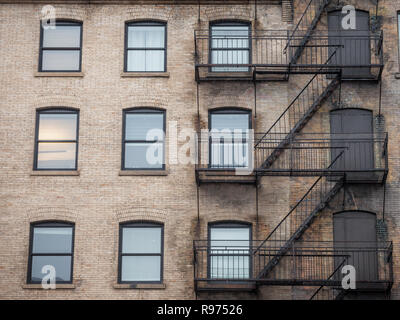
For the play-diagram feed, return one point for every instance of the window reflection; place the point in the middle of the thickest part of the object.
(56, 145)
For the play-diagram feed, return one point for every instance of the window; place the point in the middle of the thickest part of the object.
(229, 254)
(56, 144)
(51, 243)
(229, 138)
(141, 252)
(143, 139)
(230, 45)
(60, 48)
(145, 44)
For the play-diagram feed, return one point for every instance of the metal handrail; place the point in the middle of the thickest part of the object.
(330, 277)
(296, 98)
(298, 24)
(301, 200)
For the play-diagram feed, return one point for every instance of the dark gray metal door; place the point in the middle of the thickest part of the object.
(354, 44)
(354, 234)
(353, 130)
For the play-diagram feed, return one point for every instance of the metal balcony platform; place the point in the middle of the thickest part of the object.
(273, 55)
(234, 265)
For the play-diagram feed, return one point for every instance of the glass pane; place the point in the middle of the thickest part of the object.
(230, 36)
(229, 147)
(62, 36)
(61, 264)
(145, 60)
(230, 57)
(230, 267)
(141, 240)
(57, 126)
(56, 156)
(230, 121)
(52, 240)
(138, 268)
(229, 252)
(64, 60)
(144, 155)
(138, 126)
(231, 237)
(229, 155)
(146, 36)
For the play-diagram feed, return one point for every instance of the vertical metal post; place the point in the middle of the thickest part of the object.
(384, 201)
(256, 199)
(380, 98)
(255, 99)
(198, 11)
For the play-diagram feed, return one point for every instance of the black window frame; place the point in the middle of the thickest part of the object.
(398, 35)
(63, 22)
(50, 224)
(140, 224)
(141, 110)
(224, 110)
(227, 225)
(230, 23)
(55, 110)
(148, 23)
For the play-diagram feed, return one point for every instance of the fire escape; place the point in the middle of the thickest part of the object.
(284, 257)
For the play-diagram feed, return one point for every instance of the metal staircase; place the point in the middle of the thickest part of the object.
(285, 128)
(304, 28)
(297, 114)
(298, 220)
(328, 292)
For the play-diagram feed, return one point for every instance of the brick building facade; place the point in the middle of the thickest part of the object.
(292, 86)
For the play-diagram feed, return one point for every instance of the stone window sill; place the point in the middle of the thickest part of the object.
(144, 74)
(58, 286)
(155, 286)
(55, 173)
(60, 74)
(143, 172)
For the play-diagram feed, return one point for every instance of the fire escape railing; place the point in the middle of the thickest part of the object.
(297, 221)
(298, 113)
(381, 270)
(279, 151)
(225, 263)
(271, 53)
(328, 293)
(310, 154)
(363, 157)
(308, 21)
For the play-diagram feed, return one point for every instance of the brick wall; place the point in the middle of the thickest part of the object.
(98, 199)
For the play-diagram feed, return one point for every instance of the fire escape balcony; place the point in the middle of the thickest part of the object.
(224, 265)
(359, 158)
(225, 157)
(266, 55)
(244, 158)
